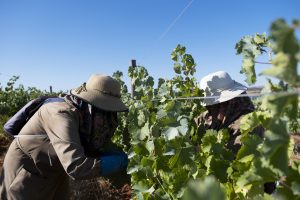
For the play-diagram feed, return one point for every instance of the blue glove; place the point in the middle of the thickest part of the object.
(111, 162)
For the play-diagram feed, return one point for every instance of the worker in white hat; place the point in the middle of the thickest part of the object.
(222, 100)
(227, 102)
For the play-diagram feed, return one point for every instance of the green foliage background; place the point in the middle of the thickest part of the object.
(13, 97)
(172, 158)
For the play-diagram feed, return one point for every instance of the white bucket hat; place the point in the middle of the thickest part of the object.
(102, 92)
(220, 87)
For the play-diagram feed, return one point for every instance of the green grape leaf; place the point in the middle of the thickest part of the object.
(174, 159)
(147, 163)
(174, 56)
(296, 188)
(183, 156)
(208, 140)
(247, 47)
(223, 136)
(142, 186)
(218, 168)
(283, 68)
(260, 39)
(184, 126)
(140, 149)
(150, 146)
(249, 177)
(133, 169)
(283, 36)
(207, 189)
(150, 81)
(179, 178)
(177, 68)
(141, 118)
(145, 131)
(171, 133)
(278, 103)
(249, 147)
(161, 163)
(188, 60)
(247, 159)
(251, 47)
(275, 147)
(249, 70)
(249, 122)
(135, 133)
(159, 145)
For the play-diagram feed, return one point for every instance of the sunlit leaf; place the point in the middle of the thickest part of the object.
(207, 189)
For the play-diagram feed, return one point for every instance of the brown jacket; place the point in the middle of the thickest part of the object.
(45, 154)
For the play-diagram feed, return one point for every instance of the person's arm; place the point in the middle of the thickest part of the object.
(62, 128)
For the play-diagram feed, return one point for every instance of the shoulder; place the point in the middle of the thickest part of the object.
(59, 108)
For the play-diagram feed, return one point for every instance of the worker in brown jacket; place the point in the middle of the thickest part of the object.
(226, 103)
(63, 139)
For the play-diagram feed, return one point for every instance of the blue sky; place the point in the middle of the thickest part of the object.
(62, 42)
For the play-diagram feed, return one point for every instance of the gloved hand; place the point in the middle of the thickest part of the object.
(111, 162)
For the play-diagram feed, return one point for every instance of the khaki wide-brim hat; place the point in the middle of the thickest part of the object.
(219, 87)
(101, 91)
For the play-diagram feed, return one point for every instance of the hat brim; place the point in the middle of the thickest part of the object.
(102, 101)
(225, 95)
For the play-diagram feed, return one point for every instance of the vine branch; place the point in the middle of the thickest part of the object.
(265, 63)
(163, 187)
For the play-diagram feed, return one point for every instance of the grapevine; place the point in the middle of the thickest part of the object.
(173, 158)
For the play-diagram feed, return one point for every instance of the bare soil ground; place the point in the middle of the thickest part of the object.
(98, 189)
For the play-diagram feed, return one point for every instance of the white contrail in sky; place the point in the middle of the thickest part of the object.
(175, 20)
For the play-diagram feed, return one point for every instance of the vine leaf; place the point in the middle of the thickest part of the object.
(249, 70)
(171, 133)
(283, 68)
(250, 47)
(207, 189)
